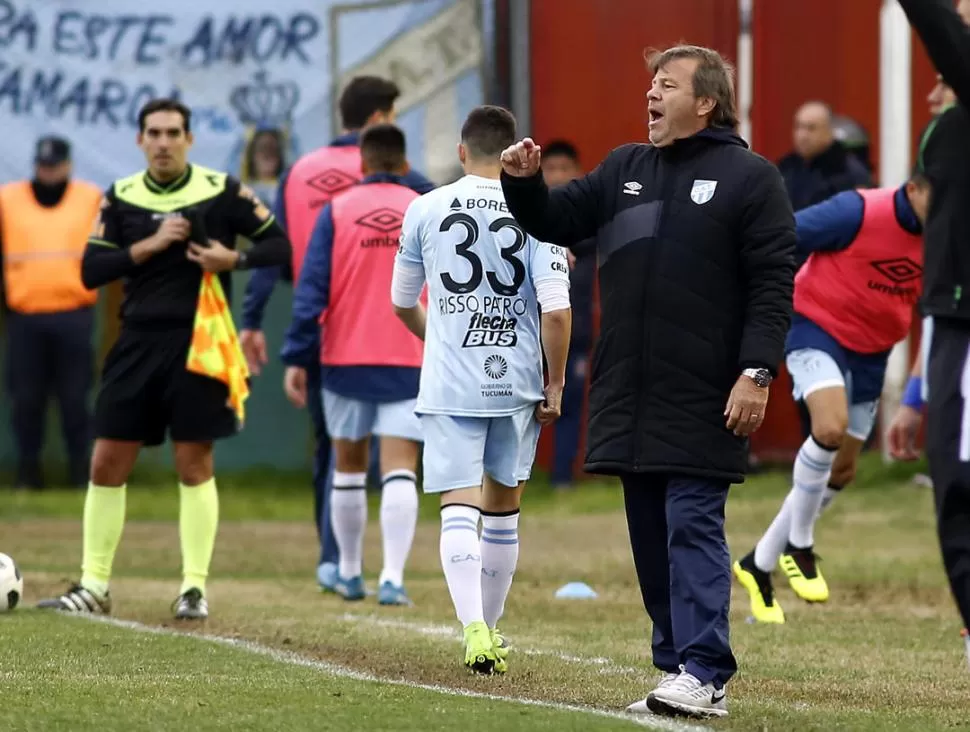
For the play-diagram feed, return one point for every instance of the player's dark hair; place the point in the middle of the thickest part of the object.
(165, 105)
(363, 96)
(560, 148)
(383, 148)
(488, 131)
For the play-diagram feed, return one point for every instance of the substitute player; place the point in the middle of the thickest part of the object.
(176, 367)
(853, 302)
(481, 385)
(370, 363)
(304, 190)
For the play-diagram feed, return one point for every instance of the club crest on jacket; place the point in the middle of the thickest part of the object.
(703, 191)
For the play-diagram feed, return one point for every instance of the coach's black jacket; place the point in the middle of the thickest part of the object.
(695, 245)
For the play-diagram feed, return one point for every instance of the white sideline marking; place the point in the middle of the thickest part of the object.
(294, 659)
(607, 666)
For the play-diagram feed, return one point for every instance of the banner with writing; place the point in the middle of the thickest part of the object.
(82, 70)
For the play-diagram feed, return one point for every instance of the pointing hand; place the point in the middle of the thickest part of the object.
(522, 159)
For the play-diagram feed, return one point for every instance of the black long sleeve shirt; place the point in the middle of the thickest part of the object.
(163, 290)
(945, 160)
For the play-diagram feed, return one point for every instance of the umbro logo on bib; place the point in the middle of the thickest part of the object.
(703, 191)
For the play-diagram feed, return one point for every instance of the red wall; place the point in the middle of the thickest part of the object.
(589, 77)
(589, 82)
(823, 49)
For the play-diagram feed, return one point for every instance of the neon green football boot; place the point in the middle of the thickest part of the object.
(479, 654)
(501, 647)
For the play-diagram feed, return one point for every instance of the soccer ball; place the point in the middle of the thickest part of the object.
(11, 584)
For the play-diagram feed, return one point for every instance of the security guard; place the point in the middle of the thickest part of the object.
(44, 224)
(170, 232)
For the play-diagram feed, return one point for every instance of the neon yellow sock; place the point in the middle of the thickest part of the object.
(104, 520)
(198, 523)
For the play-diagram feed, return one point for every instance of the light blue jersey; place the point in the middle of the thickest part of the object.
(482, 355)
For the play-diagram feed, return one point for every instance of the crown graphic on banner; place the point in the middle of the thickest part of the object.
(265, 104)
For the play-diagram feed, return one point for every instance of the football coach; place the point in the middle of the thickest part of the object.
(695, 241)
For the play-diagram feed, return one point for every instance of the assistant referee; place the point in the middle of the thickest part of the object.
(160, 229)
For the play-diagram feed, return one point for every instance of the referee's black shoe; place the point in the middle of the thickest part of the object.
(191, 605)
(79, 600)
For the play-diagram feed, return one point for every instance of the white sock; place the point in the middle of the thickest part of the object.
(828, 495)
(500, 553)
(461, 560)
(399, 516)
(813, 467)
(348, 516)
(772, 544)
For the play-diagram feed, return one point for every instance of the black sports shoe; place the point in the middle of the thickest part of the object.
(79, 600)
(191, 605)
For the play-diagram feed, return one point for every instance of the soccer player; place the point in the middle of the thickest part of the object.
(160, 230)
(370, 363)
(853, 302)
(481, 399)
(303, 191)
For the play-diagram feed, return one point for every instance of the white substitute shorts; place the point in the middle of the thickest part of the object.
(355, 419)
(459, 450)
(812, 369)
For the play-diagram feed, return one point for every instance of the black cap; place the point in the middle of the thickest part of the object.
(52, 151)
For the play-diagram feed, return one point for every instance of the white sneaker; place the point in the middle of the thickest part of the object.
(640, 707)
(686, 696)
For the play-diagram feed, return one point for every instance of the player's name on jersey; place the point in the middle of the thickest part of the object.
(489, 204)
(486, 304)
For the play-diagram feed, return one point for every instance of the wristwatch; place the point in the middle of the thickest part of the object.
(760, 377)
(241, 261)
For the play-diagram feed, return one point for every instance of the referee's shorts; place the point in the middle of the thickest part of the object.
(146, 390)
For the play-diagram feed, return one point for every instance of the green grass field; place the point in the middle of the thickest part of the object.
(883, 654)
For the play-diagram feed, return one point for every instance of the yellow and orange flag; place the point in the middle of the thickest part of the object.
(215, 351)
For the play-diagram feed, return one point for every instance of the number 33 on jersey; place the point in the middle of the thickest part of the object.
(482, 351)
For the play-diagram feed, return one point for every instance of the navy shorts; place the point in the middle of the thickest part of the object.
(865, 371)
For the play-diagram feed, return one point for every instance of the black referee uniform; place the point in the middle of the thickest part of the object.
(945, 160)
(146, 388)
